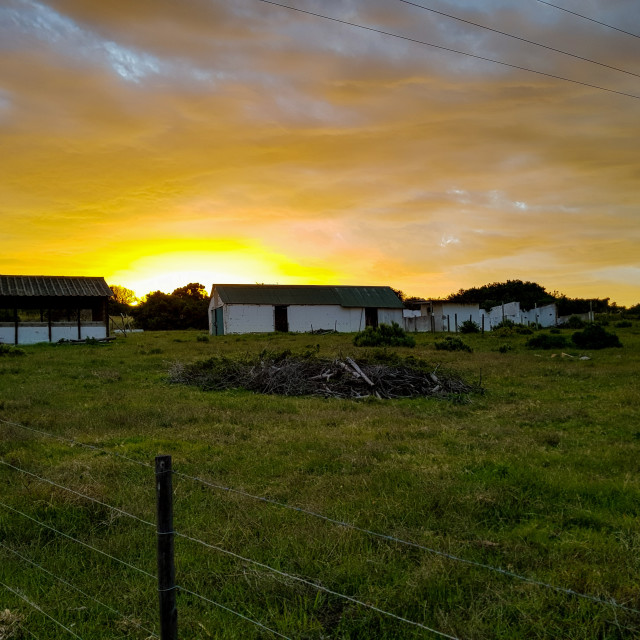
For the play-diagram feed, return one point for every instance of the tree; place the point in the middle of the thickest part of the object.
(185, 308)
(192, 291)
(528, 294)
(121, 301)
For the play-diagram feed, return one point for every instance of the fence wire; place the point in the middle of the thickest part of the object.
(33, 605)
(610, 602)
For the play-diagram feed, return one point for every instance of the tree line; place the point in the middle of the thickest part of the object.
(184, 308)
(187, 307)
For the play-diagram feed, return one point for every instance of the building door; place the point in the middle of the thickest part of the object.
(281, 320)
(218, 322)
(371, 317)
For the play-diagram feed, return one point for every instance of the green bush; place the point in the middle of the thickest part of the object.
(469, 326)
(8, 350)
(452, 344)
(595, 337)
(384, 335)
(574, 322)
(623, 324)
(504, 348)
(508, 328)
(547, 341)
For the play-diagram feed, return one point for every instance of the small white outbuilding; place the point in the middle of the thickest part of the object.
(259, 308)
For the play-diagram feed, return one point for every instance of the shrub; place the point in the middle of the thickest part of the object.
(575, 322)
(452, 344)
(504, 348)
(469, 326)
(623, 324)
(384, 335)
(554, 330)
(508, 328)
(8, 350)
(202, 339)
(547, 341)
(595, 337)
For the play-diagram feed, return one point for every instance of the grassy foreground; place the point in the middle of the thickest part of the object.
(539, 476)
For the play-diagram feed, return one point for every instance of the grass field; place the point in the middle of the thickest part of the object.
(539, 476)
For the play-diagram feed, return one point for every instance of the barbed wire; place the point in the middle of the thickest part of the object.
(315, 585)
(39, 609)
(80, 591)
(227, 552)
(481, 565)
(84, 544)
(235, 613)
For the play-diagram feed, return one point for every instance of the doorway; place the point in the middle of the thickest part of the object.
(371, 317)
(281, 319)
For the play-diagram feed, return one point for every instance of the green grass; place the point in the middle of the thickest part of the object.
(539, 476)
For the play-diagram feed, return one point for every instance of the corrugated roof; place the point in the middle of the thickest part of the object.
(53, 286)
(345, 296)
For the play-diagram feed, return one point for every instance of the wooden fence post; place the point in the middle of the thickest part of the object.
(166, 565)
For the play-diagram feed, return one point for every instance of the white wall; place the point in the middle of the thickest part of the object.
(254, 318)
(248, 318)
(34, 332)
(304, 317)
(545, 316)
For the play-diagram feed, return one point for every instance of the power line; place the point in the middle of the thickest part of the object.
(37, 608)
(463, 53)
(80, 591)
(510, 35)
(604, 24)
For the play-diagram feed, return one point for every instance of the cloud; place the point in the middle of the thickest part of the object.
(336, 153)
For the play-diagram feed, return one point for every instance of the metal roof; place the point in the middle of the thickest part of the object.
(33, 286)
(345, 296)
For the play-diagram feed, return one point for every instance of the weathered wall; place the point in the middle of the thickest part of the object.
(254, 318)
(248, 318)
(34, 332)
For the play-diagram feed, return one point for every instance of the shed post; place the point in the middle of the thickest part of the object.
(448, 324)
(455, 319)
(16, 320)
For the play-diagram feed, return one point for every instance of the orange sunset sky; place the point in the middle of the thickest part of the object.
(161, 142)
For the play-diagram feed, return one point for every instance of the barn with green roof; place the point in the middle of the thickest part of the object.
(260, 308)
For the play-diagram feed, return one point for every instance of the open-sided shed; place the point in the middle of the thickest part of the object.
(247, 308)
(52, 308)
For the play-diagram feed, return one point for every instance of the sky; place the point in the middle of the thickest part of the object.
(158, 143)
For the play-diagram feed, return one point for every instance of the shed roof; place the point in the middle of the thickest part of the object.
(345, 296)
(34, 286)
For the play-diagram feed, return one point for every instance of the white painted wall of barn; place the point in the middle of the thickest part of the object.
(33, 333)
(256, 318)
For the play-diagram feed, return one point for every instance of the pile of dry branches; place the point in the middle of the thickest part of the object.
(290, 375)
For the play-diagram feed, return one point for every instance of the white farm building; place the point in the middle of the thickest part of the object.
(53, 308)
(259, 308)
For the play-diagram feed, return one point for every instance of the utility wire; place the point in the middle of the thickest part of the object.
(510, 35)
(604, 24)
(37, 608)
(72, 586)
(346, 525)
(315, 585)
(463, 53)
